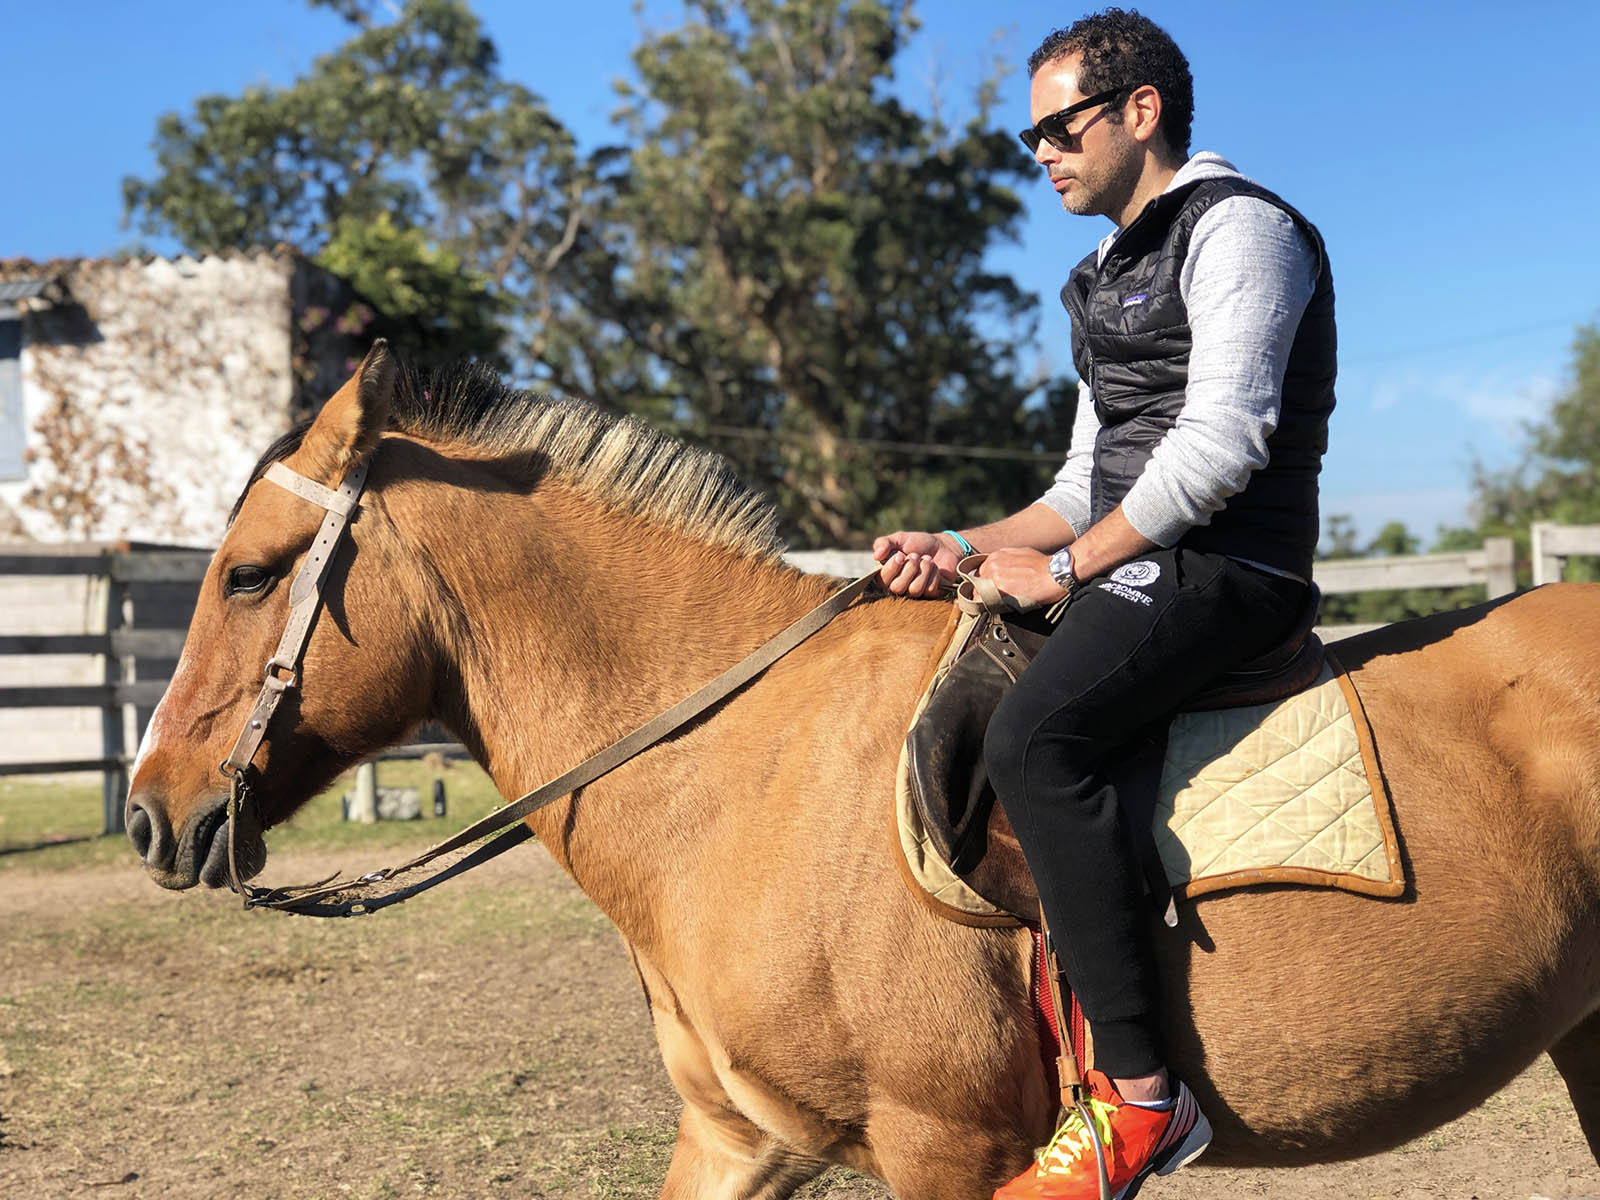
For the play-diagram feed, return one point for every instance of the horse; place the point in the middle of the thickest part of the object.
(539, 576)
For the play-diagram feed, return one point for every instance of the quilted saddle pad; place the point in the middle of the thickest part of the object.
(1286, 792)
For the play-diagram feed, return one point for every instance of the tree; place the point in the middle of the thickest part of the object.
(400, 160)
(782, 261)
(792, 267)
(1558, 478)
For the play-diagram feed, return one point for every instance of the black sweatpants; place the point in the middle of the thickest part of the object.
(1130, 648)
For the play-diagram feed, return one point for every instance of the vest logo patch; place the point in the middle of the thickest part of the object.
(1136, 298)
(1137, 574)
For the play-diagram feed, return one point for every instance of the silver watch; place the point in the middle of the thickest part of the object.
(1061, 569)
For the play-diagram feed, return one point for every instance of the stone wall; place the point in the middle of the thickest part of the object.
(149, 393)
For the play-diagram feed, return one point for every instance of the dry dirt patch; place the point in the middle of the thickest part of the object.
(488, 1039)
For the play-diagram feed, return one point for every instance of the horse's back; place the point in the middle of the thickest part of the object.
(1371, 1020)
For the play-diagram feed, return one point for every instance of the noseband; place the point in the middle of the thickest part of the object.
(333, 897)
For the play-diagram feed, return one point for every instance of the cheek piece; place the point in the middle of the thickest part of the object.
(305, 600)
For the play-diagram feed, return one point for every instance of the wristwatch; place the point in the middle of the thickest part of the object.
(1061, 569)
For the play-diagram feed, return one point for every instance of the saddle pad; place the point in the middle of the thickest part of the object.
(1286, 792)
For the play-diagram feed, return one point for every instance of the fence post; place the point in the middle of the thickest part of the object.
(1500, 566)
(130, 710)
(1547, 568)
(364, 807)
(114, 783)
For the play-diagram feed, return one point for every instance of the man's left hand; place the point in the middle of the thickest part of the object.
(1023, 575)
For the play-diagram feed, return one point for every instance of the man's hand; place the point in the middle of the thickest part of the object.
(916, 564)
(1023, 575)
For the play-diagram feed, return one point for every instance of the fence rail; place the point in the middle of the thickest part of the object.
(1554, 544)
(1492, 568)
(118, 575)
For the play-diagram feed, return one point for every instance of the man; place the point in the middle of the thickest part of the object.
(1181, 530)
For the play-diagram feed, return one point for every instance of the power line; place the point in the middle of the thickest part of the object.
(931, 449)
(1457, 343)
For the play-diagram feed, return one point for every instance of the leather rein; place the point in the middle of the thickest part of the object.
(335, 897)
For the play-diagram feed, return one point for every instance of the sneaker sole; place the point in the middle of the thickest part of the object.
(1185, 1152)
(1191, 1148)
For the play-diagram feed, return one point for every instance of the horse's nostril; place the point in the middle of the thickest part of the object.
(139, 831)
(150, 834)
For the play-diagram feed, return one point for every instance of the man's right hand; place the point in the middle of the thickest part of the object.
(916, 564)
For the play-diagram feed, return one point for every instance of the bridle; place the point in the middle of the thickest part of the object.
(305, 600)
(349, 897)
(283, 669)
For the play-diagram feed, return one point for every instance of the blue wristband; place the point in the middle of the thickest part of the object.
(966, 546)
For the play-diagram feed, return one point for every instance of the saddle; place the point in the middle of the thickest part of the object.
(961, 827)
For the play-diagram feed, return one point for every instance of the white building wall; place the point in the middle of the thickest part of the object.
(147, 409)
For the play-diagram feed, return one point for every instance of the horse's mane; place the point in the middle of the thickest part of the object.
(618, 459)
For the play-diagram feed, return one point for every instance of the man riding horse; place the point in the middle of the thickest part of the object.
(1180, 531)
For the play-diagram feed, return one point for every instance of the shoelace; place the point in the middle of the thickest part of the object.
(1072, 1140)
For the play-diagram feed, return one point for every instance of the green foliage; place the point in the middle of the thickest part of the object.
(422, 286)
(781, 261)
(1559, 477)
(796, 253)
(401, 159)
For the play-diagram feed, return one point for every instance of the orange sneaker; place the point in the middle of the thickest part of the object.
(1136, 1141)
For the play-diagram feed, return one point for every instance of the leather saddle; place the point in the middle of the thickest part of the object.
(944, 749)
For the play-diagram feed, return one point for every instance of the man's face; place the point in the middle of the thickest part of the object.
(1098, 171)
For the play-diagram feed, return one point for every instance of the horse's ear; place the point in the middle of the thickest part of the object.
(347, 428)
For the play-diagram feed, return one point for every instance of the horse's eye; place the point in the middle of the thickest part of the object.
(248, 581)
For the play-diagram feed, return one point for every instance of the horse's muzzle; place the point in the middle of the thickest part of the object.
(199, 853)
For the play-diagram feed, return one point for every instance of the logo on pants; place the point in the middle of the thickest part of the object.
(1137, 574)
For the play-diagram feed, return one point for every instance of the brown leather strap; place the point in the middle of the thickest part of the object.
(1068, 1072)
(305, 598)
(304, 899)
(309, 489)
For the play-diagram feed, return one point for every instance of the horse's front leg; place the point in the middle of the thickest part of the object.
(720, 1153)
(720, 1156)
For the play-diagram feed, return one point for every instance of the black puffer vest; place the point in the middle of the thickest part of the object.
(1131, 341)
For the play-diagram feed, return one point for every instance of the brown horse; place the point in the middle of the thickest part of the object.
(541, 578)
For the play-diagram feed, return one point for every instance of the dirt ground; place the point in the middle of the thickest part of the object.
(486, 1040)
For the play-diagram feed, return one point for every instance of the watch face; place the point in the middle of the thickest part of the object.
(1061, 567)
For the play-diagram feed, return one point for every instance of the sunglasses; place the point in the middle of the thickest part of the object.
(1053, 128)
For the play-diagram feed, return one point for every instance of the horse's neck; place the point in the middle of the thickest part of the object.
(586, 625)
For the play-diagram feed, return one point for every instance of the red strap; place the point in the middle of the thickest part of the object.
(1045, 1015)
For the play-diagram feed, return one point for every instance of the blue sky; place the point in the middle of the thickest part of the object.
(1449, 152)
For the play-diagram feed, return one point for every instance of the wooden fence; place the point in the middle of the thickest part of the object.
(136, 656)
(1554, 544)
(135, 593)
(1491, 568)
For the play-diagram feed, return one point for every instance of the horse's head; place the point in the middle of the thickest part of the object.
(363, 681)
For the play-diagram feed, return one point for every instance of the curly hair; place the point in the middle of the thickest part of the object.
(1126, 48)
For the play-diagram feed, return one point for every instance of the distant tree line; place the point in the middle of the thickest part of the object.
(1557, 479)
(776, 258)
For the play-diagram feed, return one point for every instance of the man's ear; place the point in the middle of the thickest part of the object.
(1144, 113)
(347, 428)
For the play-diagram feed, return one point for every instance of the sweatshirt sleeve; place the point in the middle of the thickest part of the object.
(1069, 494)
(1246, 282)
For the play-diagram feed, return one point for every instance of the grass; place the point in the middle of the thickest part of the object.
(56, 825)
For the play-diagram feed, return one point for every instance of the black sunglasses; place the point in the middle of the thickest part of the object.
(1053, 128)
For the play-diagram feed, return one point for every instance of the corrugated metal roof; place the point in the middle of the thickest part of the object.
(22, 289)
